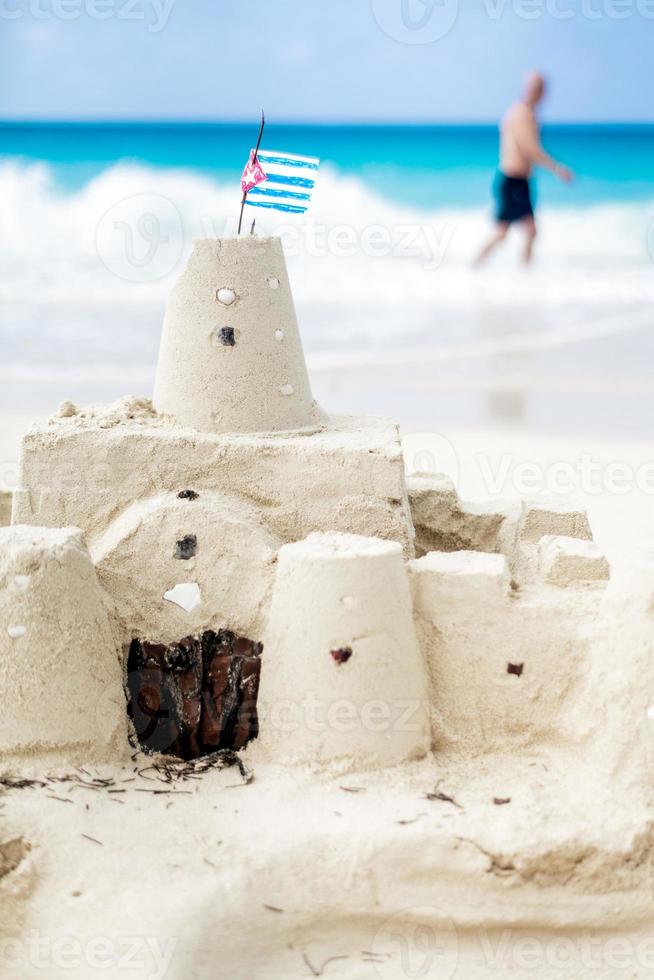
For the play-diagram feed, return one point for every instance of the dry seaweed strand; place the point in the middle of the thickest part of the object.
(318, 971)
(442, 797)
(165, 770)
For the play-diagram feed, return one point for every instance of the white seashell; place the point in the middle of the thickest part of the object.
(15, 632)
(186, 595)
(226, 296)
(286, 389)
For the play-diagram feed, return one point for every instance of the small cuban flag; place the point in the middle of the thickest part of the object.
(279, 181)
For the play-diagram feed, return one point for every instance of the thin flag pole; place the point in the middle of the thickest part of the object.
(254, 160)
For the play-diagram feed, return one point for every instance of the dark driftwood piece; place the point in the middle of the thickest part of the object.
(195, 697)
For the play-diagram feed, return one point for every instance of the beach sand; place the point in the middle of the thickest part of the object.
(256, 895)
(297, 876)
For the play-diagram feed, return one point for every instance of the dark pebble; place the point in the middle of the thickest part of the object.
(187, 547)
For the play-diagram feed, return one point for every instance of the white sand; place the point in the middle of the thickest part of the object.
(265, 881)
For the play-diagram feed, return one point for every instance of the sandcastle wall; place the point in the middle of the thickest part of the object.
(501, 665)
(118, 478)
(505, 666)
(507, 635)
(86, 469)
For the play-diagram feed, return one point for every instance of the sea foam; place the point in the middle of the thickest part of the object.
(85, 274)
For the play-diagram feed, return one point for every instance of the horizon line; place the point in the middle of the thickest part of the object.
(333, 123)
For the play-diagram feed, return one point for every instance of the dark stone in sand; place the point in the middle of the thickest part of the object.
(515, 669)
(188, 495)
(226, 336)
(187, 547)
(342, 655)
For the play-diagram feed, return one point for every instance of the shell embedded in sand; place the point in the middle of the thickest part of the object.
(226, 296)
(15, 632)
(186, 595)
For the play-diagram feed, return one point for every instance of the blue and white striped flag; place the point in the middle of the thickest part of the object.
(289, 182)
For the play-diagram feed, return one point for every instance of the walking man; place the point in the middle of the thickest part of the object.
(520, 152)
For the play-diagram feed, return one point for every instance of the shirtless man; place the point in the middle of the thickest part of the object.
(520, 151)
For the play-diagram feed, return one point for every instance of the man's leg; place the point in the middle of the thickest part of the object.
(499, 235)
(529, 226)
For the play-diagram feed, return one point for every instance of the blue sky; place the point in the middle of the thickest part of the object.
(334, 60)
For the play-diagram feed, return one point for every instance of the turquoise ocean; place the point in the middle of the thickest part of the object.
(96, 220)
(424, 166)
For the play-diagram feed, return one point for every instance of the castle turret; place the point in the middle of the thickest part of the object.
(60, 672)
(231, 358)
(343, 681)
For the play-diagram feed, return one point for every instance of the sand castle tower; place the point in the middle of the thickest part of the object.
(344, 681)
(231, 358)
(60, 671)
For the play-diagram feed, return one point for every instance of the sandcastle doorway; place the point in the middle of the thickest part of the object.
(195, 697)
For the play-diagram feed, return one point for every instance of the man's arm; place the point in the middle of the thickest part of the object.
(528, 139)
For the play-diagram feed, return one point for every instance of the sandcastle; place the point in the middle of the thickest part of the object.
(230, 568)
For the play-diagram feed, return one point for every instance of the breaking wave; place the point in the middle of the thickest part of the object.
(85, 274)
